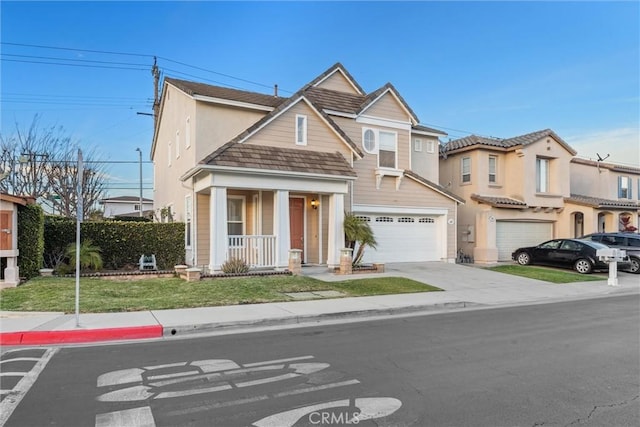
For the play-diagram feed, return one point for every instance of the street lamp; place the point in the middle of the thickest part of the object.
(140, 157)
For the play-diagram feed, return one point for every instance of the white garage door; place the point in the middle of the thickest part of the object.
(511, 235)
(403, 238)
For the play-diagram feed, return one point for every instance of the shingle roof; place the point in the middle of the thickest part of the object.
(433, 185)
(193, 88)
(334, 100)
(499, 202)
(612, 166)
(521, 140)
(421, 128)
(252, 156)
(335, 67)
(597, 202)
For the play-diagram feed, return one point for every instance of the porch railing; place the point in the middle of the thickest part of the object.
(257, 251)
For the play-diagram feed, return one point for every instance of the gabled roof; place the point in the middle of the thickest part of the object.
(377, 94)
(610, 166)
(436, 187)
(597, 202)
(507, 144)
(193, 89)
(251, 156)
(18, 200)
(499, 202)
(335, 68)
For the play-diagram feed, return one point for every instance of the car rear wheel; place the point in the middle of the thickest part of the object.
(635, 265)
(583, 266)
(523, 258)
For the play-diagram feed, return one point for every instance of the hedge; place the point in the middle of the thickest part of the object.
(30, 240)
(121, 242)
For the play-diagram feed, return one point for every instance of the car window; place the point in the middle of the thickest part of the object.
(609, 240)
(570, 245)
(633, 241)
(595, 237)
(552, 244)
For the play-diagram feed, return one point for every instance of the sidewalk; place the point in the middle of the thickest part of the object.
(464, 286)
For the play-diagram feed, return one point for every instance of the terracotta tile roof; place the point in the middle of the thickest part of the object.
(516, 141)
(597, 202)
(252, 156)
(611, 166)
(499, 202)
(193, 88)
(434, 186)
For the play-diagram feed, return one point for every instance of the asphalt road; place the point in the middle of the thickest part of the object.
(564, 364)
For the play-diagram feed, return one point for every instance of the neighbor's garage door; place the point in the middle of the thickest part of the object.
(403, 238)
(511, 235)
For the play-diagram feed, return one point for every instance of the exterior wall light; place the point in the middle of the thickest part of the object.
(315, 203)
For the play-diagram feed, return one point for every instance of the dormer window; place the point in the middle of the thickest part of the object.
(369, 141)
(301, 129)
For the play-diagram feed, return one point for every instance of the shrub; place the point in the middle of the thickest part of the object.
(234, 266)
(30, 240)
(89, 255)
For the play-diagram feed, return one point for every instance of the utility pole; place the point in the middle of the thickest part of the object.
(140, 157)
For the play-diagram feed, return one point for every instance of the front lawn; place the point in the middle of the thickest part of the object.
(103, 296)
(545, 274)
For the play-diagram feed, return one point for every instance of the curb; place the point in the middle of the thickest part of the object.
(79, 335)
(180, 330)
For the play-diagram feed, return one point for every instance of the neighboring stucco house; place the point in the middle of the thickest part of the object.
(604, 197)
(126, 206)
(514, 189)
(254, 175)
(9, 204)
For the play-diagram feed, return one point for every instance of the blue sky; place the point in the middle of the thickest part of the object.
(491, 68)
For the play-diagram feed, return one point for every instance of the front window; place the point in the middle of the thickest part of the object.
(301, 130)
(387, 150)
(136, 207)
(542, 175)
(235, 216)
(369, 141)
(624, 187)
(417, 144)
(493, 167)
(466, 169)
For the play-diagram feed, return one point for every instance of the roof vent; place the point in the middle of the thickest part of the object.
(275, 90)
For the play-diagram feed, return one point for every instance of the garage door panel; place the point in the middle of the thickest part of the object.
(403, 238)
(511, 235)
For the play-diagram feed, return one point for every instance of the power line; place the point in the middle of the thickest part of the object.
(73, 65)
(73, 59)
(78, 50)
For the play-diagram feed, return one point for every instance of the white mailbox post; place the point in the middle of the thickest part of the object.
(611, 256)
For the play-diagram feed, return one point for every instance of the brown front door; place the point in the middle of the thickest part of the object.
(5, 230)
(296, 223)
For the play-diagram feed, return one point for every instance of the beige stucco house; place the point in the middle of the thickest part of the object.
(604, 197)
(253, 175)
(515, 191)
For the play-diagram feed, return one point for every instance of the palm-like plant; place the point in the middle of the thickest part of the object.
(89, 255)
(358, 232)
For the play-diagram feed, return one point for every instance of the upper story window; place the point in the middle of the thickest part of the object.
(417, 144)
(466, 169)
(369, 141)
(387, 157)
(187, 133)
(542, 175)
(624, 187)
(301, 129)
(493, 168)
(431, 146)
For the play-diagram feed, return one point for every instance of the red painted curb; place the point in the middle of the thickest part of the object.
(79, 335)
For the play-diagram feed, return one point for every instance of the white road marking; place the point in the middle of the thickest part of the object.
(137, 417)
(174, 375)
(289, 418)
(12, 400)
(130, 394)
(168, 394)
(20, 359)
(215, 365)
(13, 374)
(269, 362)
(168, 365)
(123, 376)
(316, 388)
(266, 380)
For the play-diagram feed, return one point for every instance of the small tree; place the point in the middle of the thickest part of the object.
(357, 232)
(89, 255)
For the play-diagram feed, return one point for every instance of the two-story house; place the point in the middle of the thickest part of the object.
(254, 175)
(605, 197)
(514, 190)
(126, 206)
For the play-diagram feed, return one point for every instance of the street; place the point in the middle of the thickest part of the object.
(572, 363)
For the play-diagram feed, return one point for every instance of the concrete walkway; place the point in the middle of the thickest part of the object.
(465, 286)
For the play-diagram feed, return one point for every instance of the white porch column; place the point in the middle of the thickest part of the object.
(219, 239)
(281, 227)
(335, 240)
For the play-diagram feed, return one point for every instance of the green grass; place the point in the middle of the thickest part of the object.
(103, 296)
(545, 274)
